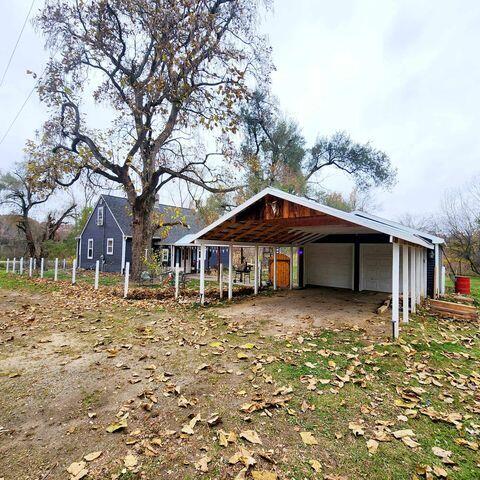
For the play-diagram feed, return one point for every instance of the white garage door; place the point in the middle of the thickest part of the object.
(330, 265)
(376, 267)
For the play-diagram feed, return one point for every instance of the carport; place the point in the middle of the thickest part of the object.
(350, 250)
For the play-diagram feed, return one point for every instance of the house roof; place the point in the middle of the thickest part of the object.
(122, 213)
(360, 221)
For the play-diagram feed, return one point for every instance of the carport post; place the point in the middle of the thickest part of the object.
(418, 274)
(405, 283)
(291, 268)
(395, 289)
(255, 272)
(230, 272)
(30, 267)
(203, 251)
(274, 268)
(413, 298)
(220, 280)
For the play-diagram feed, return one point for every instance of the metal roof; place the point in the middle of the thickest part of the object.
(404, 233)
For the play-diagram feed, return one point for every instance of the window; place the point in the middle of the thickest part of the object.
(165, 252)
(90, 248)
(100, 216)
(109, 246)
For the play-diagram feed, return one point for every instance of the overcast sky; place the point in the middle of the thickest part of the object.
(403, 75)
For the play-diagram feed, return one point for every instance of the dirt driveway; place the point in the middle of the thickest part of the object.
(317, 307)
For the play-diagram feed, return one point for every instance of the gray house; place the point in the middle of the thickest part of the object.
(107, 237)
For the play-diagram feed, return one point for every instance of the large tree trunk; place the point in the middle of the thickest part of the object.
(142, 233)
(26, 226)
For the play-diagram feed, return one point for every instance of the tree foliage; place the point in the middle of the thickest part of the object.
(275, 154)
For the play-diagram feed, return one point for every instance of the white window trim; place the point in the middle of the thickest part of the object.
(100, 218)
(90, 249)
(110, 250)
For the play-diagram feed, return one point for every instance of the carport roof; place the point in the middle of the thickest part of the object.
(296, 220)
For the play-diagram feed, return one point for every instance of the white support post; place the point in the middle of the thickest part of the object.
(274, 268)
(64, 264)
(413, 305)
(177, 280)
(7, 268)
(405, 283)
(418, 275)
(395, 289)
(220, 281)
(126, 279)
(230, 272)
(255, 272)
(55, 274)
(34, 264)
(42, 267)
(97, 273)
(14, 264)
(74, 271)
(203, 252)
(30, 267)
(436, 273)
(291, 268)
(21, 266)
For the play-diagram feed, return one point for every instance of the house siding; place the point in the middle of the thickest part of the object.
(99, 234)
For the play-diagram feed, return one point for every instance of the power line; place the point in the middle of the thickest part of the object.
(17, 115)
(16, 44)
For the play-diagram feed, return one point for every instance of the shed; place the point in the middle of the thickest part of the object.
(349, 250)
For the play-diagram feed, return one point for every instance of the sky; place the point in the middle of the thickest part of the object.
(403, 75)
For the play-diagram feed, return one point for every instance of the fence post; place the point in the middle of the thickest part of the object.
(34, 263)
(55, 275)
(64, 264)
(30, 267)
(14, 265)
(42, 265)
(97, 273)
(21, 266)
(177, 280)
(8, 265)
(74, 271)
(127, 275)
(220, 280)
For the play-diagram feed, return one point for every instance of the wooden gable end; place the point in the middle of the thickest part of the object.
(271, 219)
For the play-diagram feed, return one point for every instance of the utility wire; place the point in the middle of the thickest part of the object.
(16, 44)
(17, 115)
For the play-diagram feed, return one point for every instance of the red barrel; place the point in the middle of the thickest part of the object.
(462, 285)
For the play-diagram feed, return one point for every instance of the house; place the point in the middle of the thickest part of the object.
(107, 237)
(355, 251)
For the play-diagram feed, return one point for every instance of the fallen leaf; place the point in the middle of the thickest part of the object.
(409, 442)
(372, 446)
(130, 461)
(308, 438)
(356, 428)
(403, 433)
(202, 464)
(316, 465)
(264, 475)
(115, 427)
(76, 467)
(251, 436)
(92, 456)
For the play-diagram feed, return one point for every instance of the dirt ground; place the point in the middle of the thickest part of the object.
(116, 389)
(297, 310)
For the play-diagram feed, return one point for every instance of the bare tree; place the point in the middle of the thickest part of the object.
(461, 223)
(20, 192)
(167, 70)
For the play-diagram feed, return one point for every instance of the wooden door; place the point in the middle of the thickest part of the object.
(283, 270)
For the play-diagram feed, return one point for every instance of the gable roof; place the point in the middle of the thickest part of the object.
(394, 230)
(122, 212)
